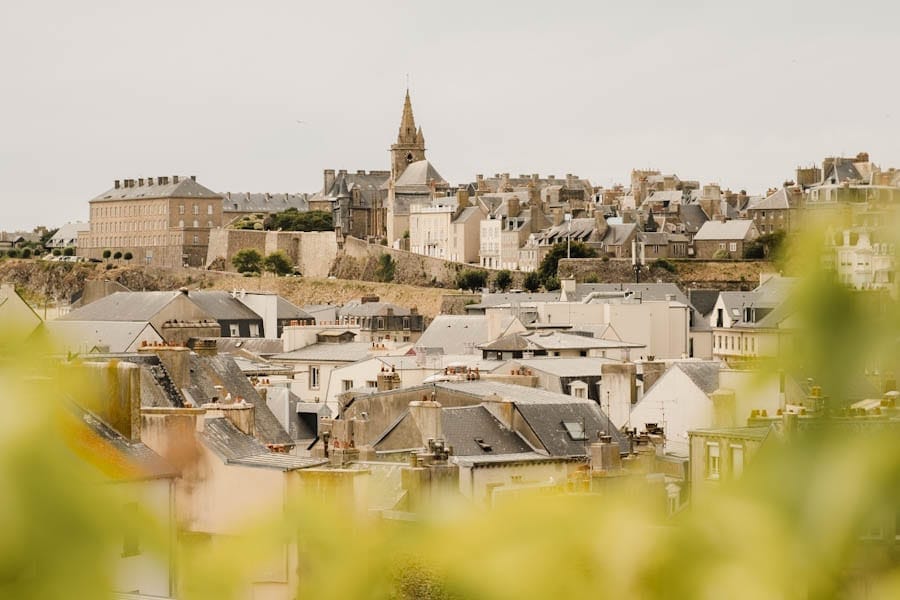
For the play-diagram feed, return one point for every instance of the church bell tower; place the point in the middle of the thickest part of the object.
(410, 146)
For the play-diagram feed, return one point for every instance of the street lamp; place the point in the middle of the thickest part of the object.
(568, 218)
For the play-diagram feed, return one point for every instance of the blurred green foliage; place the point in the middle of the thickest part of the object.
(792, 527)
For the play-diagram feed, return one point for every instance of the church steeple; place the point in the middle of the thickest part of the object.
(410, 146)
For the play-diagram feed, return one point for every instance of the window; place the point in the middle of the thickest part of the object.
(732, 246)
(314, 378)
(712, 460)
(196, 209)
(737, 460)
(233, 330)
(575, 429)
(346, 384)
(209, 209)
(380, 322)
(181, 209)
(196, 239)
(254, 329)
(405, 322)
(371, 384)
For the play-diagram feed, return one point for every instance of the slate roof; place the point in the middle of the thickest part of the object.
(419, 173)
(552, 340)
(519, 394)
(467, 213)
(463, 425)
(548, 423)
(644, 291)
(843, 170)
(209, 371)
(703, 300)
(263, 202)
(705, 374)
(580, 366)
(618, 233)
(258, 346)
(185, 188)
(692, 217)
(288, 310)
(512, 299)
(115, 336)
(67, 234)
(357, 308)
(123, 306)
(325, 352)
(454, 334)
(112, 453)
(235, 447)
(221, 306)
(776, 201)
(735, 229)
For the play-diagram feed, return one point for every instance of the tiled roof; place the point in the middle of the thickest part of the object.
(235, 447)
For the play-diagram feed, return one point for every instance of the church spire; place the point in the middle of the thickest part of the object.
(410, 146)
(407, 123)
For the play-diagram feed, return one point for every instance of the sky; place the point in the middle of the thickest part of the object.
(734, 93)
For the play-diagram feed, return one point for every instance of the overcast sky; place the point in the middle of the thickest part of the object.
(739, 94)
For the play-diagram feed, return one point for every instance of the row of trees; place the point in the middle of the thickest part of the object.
(117, 255)
(251, 261)
(289, 220)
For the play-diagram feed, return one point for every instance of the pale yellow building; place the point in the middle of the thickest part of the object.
(161, 221)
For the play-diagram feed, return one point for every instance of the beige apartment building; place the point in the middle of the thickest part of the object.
(162, 221)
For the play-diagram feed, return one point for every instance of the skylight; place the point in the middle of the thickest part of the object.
(575, 429)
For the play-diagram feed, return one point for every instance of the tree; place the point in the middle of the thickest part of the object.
(532, 282)
(559, 250)
(117, 254)
(26, 253)
(294, 220)
(12, 253)
(247, 260)
(128, 256)
(69, 251)
(551, 283)
(278, 262)
(385, 269)
(471, 279)
(502, 280)
(47, 235)
(769, 246)
(56, 252)
(107, 253)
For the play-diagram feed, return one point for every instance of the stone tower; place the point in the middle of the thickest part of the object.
(410, 145)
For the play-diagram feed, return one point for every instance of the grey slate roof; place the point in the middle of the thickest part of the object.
(146, 463)
(67, 234)
(326, 352)
(257, 346)
(778, 200)
(463, 425)
(262, 202)
(235, 447)
(547, 422)
(115, 336)
(454, 334)
(222, 307)
(580, 366)
(618, 233)
(419, 173)
(288, 310)
(209, 371)
(185, 188)
(644, 291)
(553, 340)
(735, 229)
(703, 300)
(123, 306)
(692, 217)
(704, 374)
(357, 308)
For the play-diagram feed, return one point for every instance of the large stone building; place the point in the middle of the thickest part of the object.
(163, 221)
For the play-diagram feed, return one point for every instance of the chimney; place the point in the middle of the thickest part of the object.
(557, 216)
(427, 416)
(241, 414)
(462, 196)
(605, 455)
(567, 288)
(512, 207)
(193, 178)
(724, 408)
(328, 180)
(618, 391)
